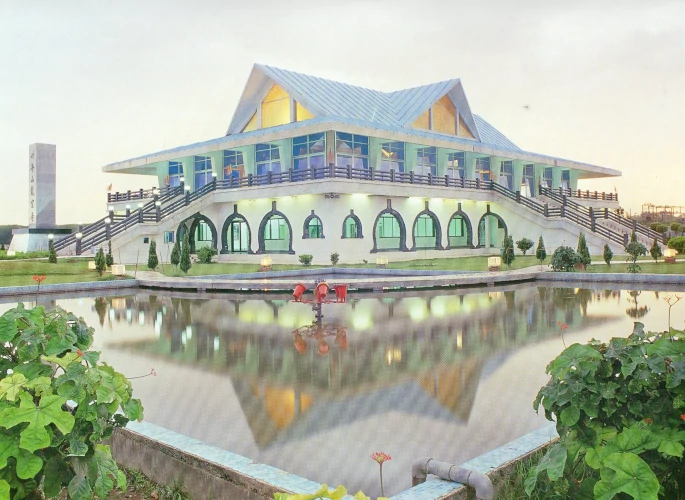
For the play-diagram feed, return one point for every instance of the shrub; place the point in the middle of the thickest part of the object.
(653, 226)
(205, 254)
(677, 243)
(564, 259)
(661, 228)
(540, 252)
(681, 228)
(335, 257)
(176, 254)
(635, 249)
(655, 251)
(52, 255)
(51, 380)
(306, 259)
(582, 250)
(185, 264)
(619, 413)
(152, 260)
(109, 259)
(524, 244)
(100, 261)
(675, 226)
(608, 254)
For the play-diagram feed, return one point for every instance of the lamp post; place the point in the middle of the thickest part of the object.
(128, 210)
(182, 183)
(78, 236)
(187, 194)
(158, 214)
(108, 222)
(213, 180)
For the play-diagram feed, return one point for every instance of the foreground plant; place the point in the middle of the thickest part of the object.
(323, 493)
(57, 404)
(620, 414)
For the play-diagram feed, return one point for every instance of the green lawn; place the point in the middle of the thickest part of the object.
(19, 273)
(479, 263)
(648, 267)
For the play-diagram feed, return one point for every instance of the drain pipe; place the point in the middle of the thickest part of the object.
(477, 480)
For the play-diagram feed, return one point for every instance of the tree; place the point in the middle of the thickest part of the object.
(633, 237)
(524, 244)
(608, 254)
(635, 249)
(109, 259)
(655, 251)
(582, 250)
(675, 226)
(176, 254)
(185, 254)
(52, 257)
(100, 261)
(508, 254)
(152, 260)
(677, 243)
(540, 252)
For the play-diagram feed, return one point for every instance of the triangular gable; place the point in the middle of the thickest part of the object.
(438, 103)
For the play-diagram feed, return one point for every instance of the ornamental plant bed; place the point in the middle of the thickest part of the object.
(619, 408)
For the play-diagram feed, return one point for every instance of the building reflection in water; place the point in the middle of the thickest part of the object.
(417, 352)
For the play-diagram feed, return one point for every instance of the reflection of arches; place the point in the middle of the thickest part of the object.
(352, 226)
(459, 231)
(312, 227)
(388, 235)
(236, 236)
(280, 233)
(426, 231)
(195, 221)
(497, 231)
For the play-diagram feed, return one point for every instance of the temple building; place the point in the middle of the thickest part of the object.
(314, 166)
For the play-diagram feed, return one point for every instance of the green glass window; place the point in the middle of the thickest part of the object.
(275, 228)
(388, 226)
(425, 226)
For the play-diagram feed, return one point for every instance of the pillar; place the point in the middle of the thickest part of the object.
(518, 175)
(495, 168)
(442, 161)
(189, 171)
(217, 158)
(574, 180)
(410, 155)
(470, 165)
(487, 231)
(556, 177)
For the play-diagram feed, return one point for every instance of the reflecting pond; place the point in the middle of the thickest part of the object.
(449, 374)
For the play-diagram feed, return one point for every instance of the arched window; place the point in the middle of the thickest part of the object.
(427, 233)
(352, 226)
(312, 228)
(275, 233)
(491, 231)
(459, 234)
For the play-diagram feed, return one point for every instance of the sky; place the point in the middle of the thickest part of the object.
(596, 81)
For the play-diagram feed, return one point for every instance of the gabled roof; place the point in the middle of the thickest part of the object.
(329, 98)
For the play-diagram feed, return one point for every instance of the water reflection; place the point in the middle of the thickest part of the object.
(449, 374)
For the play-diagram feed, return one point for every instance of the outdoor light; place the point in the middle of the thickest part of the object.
(79, 235)
(108, 220)
(155, 191)
(669, 255)
(51, 236)
(158, 203)
(265, 264)
(110, 208)
(128, 207)
(213, 174)
(494, 263)
(140, 205)
(187, 188)
(182, 179)
(381, 261)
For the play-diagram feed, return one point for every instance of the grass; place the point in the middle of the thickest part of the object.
(648, 267)
(512, 486)
(479, 263)
(21, 272)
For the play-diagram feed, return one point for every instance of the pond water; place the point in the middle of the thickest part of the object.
(449, 374)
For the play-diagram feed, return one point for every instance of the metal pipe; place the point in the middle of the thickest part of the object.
(477, 480)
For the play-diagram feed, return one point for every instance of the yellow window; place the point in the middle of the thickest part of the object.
(464, 130)
(252, 124)
(423, 121)
(301, 113)
(444, 116)
(275, 108)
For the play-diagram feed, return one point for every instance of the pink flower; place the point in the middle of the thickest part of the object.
(380, 457)
(153, 372)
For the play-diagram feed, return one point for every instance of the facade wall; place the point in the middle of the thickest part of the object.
(332, 211)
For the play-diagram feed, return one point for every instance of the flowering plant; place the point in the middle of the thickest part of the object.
(381, 457)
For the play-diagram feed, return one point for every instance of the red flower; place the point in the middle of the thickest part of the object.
(38, 278)
(649, 420)
(153, 372)
(79, 352)
(563, 326)
(380, 457)
(682, 416)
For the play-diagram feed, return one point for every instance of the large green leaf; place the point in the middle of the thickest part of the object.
(8, 327)
(41, 385)
(671, 442)
(133, 409)
(62, 361)
(11, 386)
(570, 416)
(571, 358)
(4, 490)
(627, 473)
(49, 411)
(553, 462)
(107, 470)
(77, 448)
(60, 343)
(8, 448)
(57, 475)
(28, 464)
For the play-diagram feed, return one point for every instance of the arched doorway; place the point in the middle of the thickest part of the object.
(275, 233)
(201, 232)
(491, 231)
(236, 236)
(389, 232)
(426, 233)
(459, 232)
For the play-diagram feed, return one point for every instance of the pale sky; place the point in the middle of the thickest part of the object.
(603, 80)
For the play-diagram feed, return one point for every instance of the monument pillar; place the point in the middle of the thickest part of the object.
(42, 168)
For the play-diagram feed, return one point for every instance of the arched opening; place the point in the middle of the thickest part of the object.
(389, 232)
(352, 226)
(427, 233)
(459, 232)
(236, 236)
(491, 231)
(275, 233)
(201, 232)
(313, 227)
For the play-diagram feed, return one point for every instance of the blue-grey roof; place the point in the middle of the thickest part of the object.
(491, 135)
